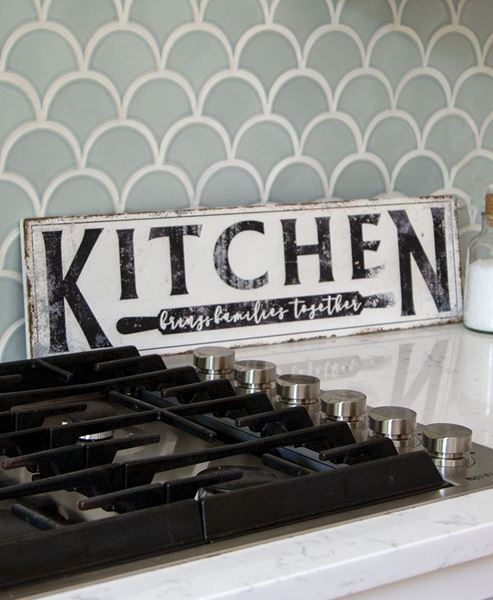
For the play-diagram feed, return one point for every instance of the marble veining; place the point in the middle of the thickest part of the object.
(327, 563)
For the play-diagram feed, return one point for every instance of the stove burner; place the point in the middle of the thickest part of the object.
(251, 476)
(94, 410)
(96, 437)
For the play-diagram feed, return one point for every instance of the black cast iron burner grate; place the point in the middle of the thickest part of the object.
(322, 468)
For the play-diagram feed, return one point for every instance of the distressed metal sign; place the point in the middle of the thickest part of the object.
(170, 281)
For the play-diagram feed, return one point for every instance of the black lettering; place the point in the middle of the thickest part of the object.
(221, 257)
(292, 250)
(358, 245)
(127, 264)
(65, 288)
(176, 252)
(409, 245)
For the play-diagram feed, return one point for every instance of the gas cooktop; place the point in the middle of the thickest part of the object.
(110, 457)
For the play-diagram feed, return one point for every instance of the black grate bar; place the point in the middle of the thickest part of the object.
(28, 418)
(42, 438)
(120, 476)
(7, 421)
(7, 382)
(198, 392)
(186, 487)
(33, 517)
(67, 434)
(129, 401)
(139, 471)
(81, 455)
(151, 381)
(371, 449)
(124, 501)
(84, 361)
(131, 365)
(187, 425)
(145, 496)
(252, 403)
(90, 482)
(303, 497)
(99, 543)
(33, 374)
(178, 376)
(196, 429)
(285, 466)
(66, 377)
(292, 418)
(71, 361)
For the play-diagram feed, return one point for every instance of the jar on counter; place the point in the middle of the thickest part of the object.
(299, 390)
(214, 362)
(256, 376)
(478, 291)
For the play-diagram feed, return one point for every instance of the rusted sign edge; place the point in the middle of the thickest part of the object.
(269, 207)
(27, 277)
(331, 334)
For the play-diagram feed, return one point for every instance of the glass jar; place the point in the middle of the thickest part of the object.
(478, 291)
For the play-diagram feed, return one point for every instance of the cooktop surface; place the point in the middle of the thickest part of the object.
(110, 457)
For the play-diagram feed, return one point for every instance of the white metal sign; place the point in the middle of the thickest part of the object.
(171, 281)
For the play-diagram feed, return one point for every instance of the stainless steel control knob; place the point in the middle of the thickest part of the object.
(394, 422)
(344, 405)
(448, 444)
(256, 376)
(214, 362)
(300, 390)
(255, 372)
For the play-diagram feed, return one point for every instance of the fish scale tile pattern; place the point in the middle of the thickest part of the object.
(126, 105)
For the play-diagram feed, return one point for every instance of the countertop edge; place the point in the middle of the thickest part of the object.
(327, 563)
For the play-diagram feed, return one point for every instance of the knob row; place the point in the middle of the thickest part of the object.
(448, 444)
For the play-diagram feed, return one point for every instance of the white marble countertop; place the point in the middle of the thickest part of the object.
(445, 374)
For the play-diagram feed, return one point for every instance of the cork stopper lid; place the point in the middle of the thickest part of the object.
(488, 204)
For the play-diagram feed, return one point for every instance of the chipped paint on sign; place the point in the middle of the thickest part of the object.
(170, 281)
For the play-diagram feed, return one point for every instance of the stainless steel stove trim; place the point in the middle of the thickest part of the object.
(472, 478)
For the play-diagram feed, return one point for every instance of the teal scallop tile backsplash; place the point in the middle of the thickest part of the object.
(113, 105)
